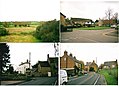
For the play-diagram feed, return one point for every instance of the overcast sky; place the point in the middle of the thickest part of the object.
(91, 9)
(29, 10)
(19, 52)
(88, 52)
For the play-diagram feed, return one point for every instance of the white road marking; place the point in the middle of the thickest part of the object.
(96, 80)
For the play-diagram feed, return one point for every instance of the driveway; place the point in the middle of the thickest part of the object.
(89, 36)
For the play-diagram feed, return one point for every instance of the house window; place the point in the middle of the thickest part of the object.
(113, 66)
(65, 59)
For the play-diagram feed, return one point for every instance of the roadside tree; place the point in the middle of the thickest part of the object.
(4, 57)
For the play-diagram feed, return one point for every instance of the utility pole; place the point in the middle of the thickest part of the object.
(29, 59)
(56, 47)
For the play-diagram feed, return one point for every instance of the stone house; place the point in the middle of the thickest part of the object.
(110, 64)
(53, 61)
(42, 68)
(105, 22)
(91, 65)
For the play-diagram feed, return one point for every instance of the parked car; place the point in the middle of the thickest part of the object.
(113, 26)
(63, 77)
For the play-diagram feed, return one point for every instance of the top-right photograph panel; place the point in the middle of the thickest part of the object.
(89, 21)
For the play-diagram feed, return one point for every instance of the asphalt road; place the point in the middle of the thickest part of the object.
(89, 79)
(41, 81)
(89, 36)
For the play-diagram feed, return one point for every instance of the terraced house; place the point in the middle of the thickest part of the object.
(71, 64)
(46, 68)
(110, 64)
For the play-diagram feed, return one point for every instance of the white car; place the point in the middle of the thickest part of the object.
(63, 77)
(113, 26)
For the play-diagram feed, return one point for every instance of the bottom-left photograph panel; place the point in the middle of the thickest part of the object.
(29, 63)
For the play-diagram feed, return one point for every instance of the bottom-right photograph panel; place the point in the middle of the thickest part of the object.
(89, 63)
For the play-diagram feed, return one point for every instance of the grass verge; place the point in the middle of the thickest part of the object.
(91, 28)
(111, 76)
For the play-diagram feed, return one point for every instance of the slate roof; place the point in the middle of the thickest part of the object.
(62, 14)
(44, 64)
(24, 63)
(109, 63)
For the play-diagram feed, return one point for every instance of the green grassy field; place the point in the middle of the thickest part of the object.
(92, 28)
(111, 76)
(20, 34)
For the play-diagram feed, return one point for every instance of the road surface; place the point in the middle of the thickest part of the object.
(89, 79)
(89, 36)
(41, 81)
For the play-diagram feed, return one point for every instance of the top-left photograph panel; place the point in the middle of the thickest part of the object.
(29, 21)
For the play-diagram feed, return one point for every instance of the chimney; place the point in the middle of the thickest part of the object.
(93, 61)
(71, 55)
(65, 52)
(74, 57)
(47, 55)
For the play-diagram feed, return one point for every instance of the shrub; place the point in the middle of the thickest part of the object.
(48, 32)
(3, 32)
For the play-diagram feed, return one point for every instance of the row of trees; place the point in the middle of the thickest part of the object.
(3, 32)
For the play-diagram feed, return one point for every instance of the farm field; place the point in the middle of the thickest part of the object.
(20, 34)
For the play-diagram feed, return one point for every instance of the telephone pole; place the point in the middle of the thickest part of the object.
(29, 59)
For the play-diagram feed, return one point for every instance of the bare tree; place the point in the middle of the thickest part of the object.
(109, 14)
(116, 17)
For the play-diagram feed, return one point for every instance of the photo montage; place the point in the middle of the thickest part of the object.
(89, 42)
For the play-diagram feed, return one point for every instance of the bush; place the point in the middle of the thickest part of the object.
(48, 32)
(3, 32)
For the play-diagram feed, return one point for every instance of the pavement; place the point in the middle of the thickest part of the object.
(101, 80)
(11, 82)
(90, 36)
(89, 79)
(41, 81)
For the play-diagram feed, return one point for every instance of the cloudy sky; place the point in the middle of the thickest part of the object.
(88, 52)
(19, 52)
(91, 9)
(29, 10)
